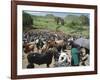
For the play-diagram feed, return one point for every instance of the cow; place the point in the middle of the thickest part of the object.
(40, 58)
(28, 47)
(61, 45)
(39, 43)
(64, 59)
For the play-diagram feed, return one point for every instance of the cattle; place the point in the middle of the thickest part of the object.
(44, 48)
(51, 43)
(36, 58)
(61, 45)
(39, 43)
(64, 60)
(28, 47)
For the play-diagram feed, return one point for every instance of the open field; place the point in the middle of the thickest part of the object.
(73, 24)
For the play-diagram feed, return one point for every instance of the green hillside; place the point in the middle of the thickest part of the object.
(73, 25)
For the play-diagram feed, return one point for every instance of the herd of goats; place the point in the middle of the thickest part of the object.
(44, 45)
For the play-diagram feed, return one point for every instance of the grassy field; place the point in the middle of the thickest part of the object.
(73, 25)
(47, 23)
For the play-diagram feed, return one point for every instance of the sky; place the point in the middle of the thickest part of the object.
(58, 14)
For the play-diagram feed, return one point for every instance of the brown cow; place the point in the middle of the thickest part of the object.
(30, 47)
(61, 45)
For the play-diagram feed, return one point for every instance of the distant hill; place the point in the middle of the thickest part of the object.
(74, 25)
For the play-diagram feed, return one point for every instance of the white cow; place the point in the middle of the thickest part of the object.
(64, 59)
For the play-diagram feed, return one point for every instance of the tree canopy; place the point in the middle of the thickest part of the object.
(27, 19)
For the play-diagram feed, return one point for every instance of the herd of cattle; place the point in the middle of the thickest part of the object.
(41, 46)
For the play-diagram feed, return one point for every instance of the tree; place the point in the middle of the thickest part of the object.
(27, 19)
(84, 20)
(50, 16)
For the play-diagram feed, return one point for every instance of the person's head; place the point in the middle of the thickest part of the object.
(83, 51)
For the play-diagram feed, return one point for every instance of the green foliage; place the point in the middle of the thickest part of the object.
(77, 20)
(84, 20)
(27, 20)
(73, 24)
(49, 16)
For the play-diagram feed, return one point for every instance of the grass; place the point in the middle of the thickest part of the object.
(49, 23)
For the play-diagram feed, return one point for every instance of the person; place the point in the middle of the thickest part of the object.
(75, 50)
(84, 57)
(75, 57)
